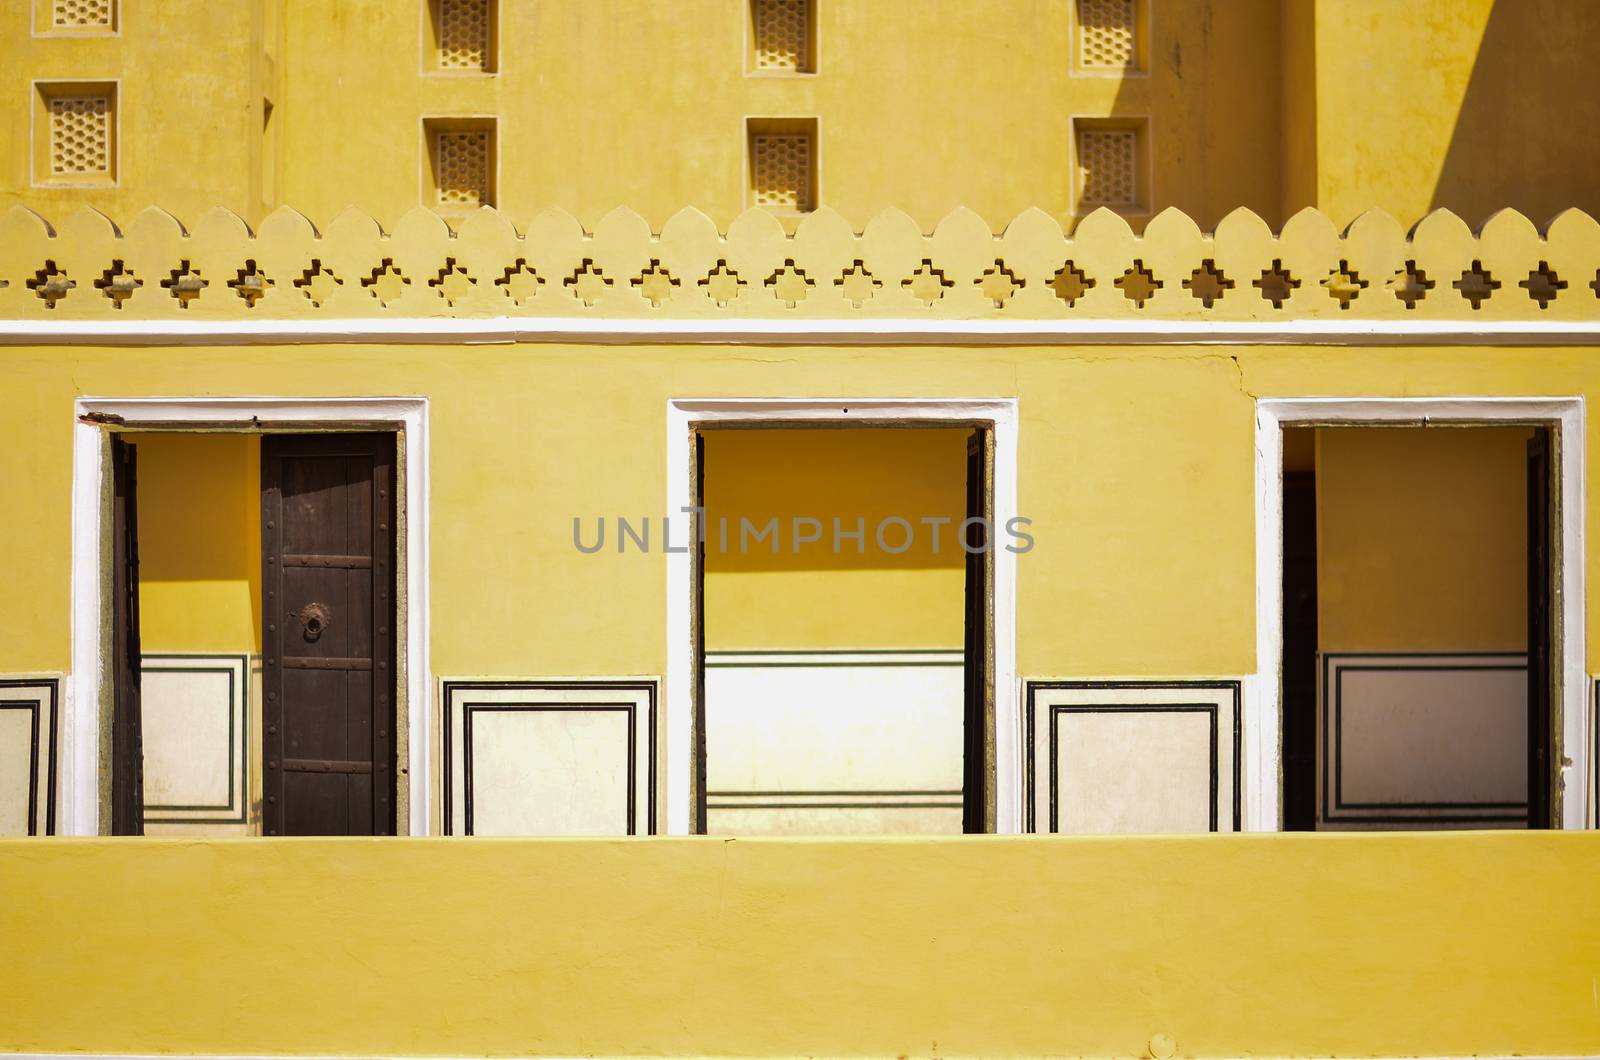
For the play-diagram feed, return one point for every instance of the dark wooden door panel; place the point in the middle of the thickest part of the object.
(1299, 651)
(977, 738)
(328, 553)
(1540, 631)
(699, 605)
(127, 743)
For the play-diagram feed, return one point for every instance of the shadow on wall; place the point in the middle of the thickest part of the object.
(1524, 135)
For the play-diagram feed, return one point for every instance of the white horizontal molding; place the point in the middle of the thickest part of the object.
(810, 332)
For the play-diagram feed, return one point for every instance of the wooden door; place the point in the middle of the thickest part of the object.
(697, 528)
(1299, 651)
(329, 673)
(1539, 630)
(127, 751)
(978, 542)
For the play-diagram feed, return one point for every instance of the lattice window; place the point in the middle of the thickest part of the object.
(80, 135)
(464, 35)
(782, 35)
(82, 14)
(462, 157)
(1108, 35)
(1108, 167)
(780, 170)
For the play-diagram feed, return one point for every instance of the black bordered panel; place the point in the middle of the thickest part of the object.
(464, 700)
(1222, 709)
(236, 667)
(37, 701)
(1339, 809)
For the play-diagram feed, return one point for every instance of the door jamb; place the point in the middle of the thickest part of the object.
(1565, 418)
(406, 416)
(683, 415)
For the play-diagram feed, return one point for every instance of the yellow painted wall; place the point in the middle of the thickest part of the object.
(1467, 104)
(615, 102)
(1136, 466)
(1422, 539)
(1277, 946)
(817, 598)
(199, 542)
(191, 79)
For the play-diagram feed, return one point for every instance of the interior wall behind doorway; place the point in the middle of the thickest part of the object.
(834, 695)
(1421, 617)
(1422, 539)
(814, 597)
(200, 624)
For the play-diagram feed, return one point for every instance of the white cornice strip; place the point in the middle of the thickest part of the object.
(801, 332)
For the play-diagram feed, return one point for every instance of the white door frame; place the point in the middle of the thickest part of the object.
(408, 416)
(1263, 714)
(683, 415)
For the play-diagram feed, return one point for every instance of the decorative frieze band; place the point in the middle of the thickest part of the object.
(1243, 271)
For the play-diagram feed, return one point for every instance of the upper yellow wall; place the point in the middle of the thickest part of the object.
(191, 76)
(1268, 104)
(1440, 945)
(199, 542)
(1472, 105)
(816, 597)
(615, 102)
(1422, 539)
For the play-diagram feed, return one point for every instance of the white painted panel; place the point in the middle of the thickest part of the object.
(17, 728)
(834, 742)
(1424, 736)
(1134, 756)
(1145, 770)
(196, 724)
(549, 758)
(185, 723)
(866, 818)
(28, 721)
(555, 771)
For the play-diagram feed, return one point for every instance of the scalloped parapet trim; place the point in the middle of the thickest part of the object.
(157, 269)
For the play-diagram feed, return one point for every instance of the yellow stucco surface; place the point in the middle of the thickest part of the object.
(616, 102)
(1136, 465)
(1463, 104)
(1422, 539)
(199, 542)
(1467, 104)
(806, 595)
(1283, 946)
(190, 80)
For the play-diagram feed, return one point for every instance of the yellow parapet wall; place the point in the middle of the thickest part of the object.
(1430, 945)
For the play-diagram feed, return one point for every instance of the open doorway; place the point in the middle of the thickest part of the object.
(844, 593)
(252, 627)
(1417, 626)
